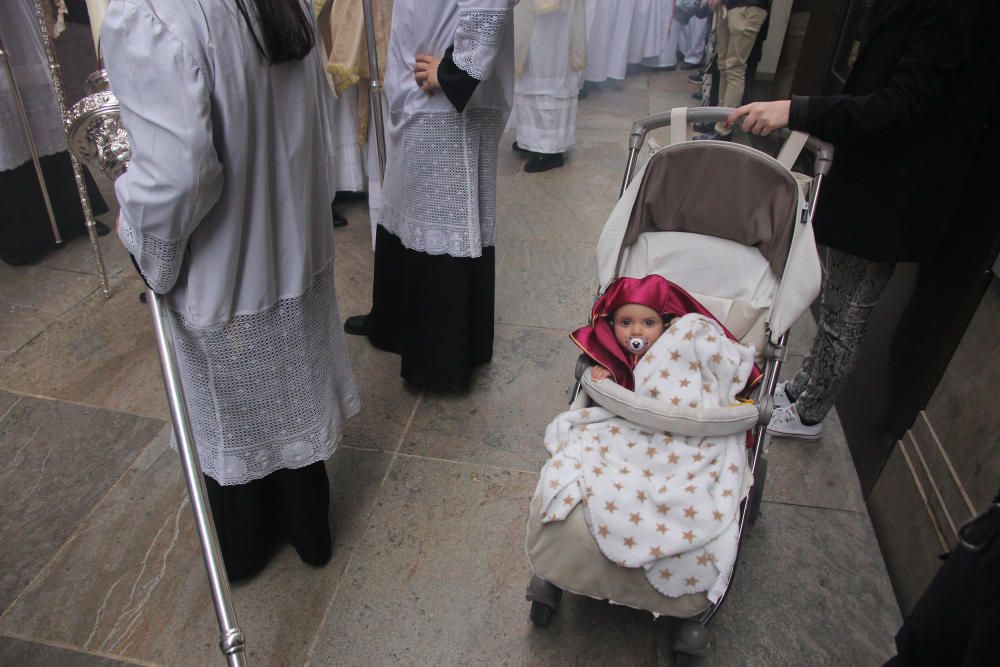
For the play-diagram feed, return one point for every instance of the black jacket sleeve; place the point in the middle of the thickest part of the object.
(457, 84)
(918, 82)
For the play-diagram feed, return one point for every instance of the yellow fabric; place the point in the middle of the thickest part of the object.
(347, 61)
(524, 25)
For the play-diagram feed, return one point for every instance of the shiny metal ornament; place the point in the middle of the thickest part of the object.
(95, 131)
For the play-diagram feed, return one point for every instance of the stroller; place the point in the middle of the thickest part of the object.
(732, 226)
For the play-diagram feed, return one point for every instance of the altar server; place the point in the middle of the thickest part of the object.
(225, 209)
(449, 85)
(551, 53)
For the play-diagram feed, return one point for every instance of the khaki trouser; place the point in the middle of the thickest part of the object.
(735, 31)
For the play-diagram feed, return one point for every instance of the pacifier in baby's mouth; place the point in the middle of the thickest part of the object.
(637, 344)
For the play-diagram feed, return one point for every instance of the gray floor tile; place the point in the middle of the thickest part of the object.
(25, 653)
(51, 290)
(547, 284)
(673, 81)
(19, 325)
(132, 581)
(572, 202)
(386, 401)
(616, 137)
(101, 353)
(802, 334)
(60, 459)
(810, 589)
(661, 101)
(814, 474)
(439, 580)
(612, 107)
(78, 255)
(354, 260)
(7, 401)
(502, 419)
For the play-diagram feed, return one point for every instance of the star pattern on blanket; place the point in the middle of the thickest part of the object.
(628, 477)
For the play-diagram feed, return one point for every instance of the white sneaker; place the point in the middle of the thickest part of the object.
(785, 423)
(781, 399)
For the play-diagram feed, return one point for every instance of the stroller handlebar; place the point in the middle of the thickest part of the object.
(821, 150)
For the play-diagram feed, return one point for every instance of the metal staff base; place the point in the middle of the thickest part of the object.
(232, 640)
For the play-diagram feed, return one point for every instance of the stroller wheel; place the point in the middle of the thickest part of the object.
(759, 477)
(541, 614)
(692, 638)
(545, 598)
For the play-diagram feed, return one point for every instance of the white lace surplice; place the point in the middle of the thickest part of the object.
(662, 502)
(440, 185)
(226, 209)
(23, 41)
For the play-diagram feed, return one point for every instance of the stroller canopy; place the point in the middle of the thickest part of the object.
(754, 247)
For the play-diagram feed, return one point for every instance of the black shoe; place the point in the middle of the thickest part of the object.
(544, 162)
(686, 65)
(713, 136)
(338, 219)
(358, 325)
(703, 127)
(696, 79)
(696, 95)
(518, 149)
(101, 228)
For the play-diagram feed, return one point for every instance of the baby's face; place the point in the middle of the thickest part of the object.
(637, 327)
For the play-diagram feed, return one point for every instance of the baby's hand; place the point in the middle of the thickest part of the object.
(598, 373)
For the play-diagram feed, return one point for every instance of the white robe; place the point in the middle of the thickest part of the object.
(23, 43)
(348, 150)
(226, 209)
(649, 23)
(439, 195)
(687, 39)
(545, 93)
(608, 26)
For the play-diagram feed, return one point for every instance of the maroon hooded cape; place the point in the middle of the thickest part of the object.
(598, 341)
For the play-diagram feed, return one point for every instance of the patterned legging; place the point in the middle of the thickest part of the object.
(851, 289)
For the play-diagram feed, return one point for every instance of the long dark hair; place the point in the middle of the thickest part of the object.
(286, 33)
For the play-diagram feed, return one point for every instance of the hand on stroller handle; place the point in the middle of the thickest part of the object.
(822, 150)
(761, 117)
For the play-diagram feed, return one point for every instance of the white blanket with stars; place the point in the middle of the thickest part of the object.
(662, 502)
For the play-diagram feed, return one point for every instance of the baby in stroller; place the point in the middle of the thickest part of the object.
(655, 500)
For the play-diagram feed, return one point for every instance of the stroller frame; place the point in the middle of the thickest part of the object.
(692, 636)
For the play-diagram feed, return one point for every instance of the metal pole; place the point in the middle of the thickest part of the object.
(81, 186)
(30, 140)
(375, 88)
(231, 640)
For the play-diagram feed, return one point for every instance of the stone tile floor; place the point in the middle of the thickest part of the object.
(99, 563)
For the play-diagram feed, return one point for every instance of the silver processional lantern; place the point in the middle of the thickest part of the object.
(96, 134)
